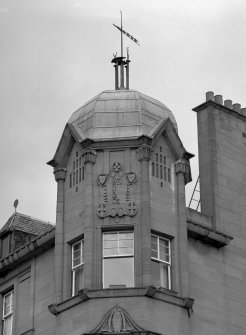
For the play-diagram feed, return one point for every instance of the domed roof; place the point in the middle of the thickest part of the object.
(120, 114)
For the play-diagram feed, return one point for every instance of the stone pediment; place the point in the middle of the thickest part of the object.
(116, 320)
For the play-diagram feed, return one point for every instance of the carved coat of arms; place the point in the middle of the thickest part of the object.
(116, 193)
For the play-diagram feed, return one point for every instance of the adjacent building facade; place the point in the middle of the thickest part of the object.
(126, 255)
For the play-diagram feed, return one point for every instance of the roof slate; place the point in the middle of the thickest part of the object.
(26, 224)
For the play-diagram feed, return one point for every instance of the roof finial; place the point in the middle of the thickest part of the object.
(16, 202)
(120, 61)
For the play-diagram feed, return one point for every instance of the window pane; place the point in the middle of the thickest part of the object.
(7, 325)
(161, 172)
(110, 252)
(77, 253)
(164, 257)
(154, 245)
(8, 303)
(159, 274)
(126, 243)
(153, 169)
(157, 170)
(78, 280)
(109, 236)
(118, 271)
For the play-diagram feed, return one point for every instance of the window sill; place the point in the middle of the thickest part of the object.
(152, 292)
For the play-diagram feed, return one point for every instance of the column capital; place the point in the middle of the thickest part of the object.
(181, 166)
(144, 152)
(90, 156)
(60, 173)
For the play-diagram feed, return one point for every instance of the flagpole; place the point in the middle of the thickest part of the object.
(121, 34)
(121, 65)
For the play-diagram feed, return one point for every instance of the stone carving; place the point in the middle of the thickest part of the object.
(116, 320)
(117, 193)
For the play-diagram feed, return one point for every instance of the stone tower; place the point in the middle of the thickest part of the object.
(121, 235)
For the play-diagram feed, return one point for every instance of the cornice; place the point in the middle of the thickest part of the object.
(35, 247)
(166, 296)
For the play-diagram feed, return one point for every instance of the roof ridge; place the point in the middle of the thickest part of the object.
(36, 219)
(12, 220)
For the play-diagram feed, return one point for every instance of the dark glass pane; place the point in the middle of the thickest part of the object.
(153, 169)
(160, 158)
(157, 171)
(5, 246)
(169, 175)
(154, 253)
(154, 242)
(161, 172)
(165, 173)
(118, 271)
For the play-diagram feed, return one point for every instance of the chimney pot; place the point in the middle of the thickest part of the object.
(228, 104)
(218, 99)
(236, 107)
(210, 96)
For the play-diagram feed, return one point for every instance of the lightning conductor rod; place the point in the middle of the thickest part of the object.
(121, 65)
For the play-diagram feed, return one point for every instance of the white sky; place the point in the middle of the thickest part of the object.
(55, 55)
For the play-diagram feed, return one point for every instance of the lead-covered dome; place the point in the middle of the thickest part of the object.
(120, 114)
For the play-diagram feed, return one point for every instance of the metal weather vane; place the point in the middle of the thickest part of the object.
(126, 33)
(121, 62)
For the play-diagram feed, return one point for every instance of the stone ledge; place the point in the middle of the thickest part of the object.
(152, 292)
(207, 235)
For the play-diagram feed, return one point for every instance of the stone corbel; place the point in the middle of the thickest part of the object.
(144, 152)
(183, 166)
(60, 173)
(90, 156)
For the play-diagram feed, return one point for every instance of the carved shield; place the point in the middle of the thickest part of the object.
(131, 177)
(102, 179)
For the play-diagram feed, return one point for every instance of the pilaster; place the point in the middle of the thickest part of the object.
(60, 175)
(180, 170)
(89, 156)
(143, 155)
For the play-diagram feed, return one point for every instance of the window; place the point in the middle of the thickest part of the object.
(8, 313)
(118, 259)
(161, 261)
(77, 175)
(77, 266)
(160, 168)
